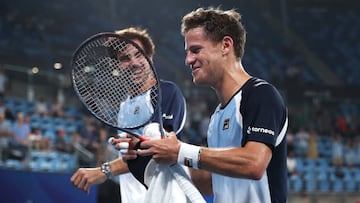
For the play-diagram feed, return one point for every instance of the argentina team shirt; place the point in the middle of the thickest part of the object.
(255, 113)
(139, 109)
(173, 114)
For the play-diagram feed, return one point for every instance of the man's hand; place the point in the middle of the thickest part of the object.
(125, 144)
(84, 178)
(163, 151)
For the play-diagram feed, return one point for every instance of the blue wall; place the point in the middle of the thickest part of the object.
(42, 187)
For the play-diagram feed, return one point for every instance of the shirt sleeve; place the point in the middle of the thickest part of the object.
(173, 108)
(264, 114)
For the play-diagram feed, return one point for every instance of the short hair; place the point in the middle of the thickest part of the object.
(136, 33)
(217, 24)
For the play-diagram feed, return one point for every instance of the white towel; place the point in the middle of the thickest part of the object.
(164, 188)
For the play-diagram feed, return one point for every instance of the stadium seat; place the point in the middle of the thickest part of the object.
(34, 160)
(65, 162)
(295, 183)
(350, 185)
(48, 161)
(324, 185)
(337, 185)
(14, 164)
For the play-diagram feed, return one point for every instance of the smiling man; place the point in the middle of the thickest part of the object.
(246, 151)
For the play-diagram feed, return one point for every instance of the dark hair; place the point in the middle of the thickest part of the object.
(136, 33)
(217, 24)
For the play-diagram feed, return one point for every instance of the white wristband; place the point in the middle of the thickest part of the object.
(189, 155)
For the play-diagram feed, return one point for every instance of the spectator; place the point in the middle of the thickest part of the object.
(291, 163)
(19, 142)
(104, 150)
(341, 124)
(41, 107)
(350, 153)
(56, 109)
(312, 151)
(302, 140)
(337, 151)
(3, 81)
(61, 143)
(5, 135)
(37, 141)
(290, 139)
(89, 139)
(357, 149)
(8, 113)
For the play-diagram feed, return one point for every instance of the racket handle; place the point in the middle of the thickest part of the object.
(141, 138)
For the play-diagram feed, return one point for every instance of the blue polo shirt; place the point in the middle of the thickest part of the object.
(173, 108)
(257, 113)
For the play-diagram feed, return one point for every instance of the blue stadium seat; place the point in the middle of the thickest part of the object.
(48, 161)
(295, 183)
(34, 160)
(322, 163)
(310, 185)
(50, 134)
(324, 185)
(300, 164)
(350, 185)
(14, 164)
(337, 185)
(309, 164)
(309, 178)
(65, 162)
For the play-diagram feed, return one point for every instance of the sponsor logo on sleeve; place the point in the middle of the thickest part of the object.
(259, 130)
(168, 117)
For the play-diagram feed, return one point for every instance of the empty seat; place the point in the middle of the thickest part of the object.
(324, 185)
(337, 185)
(14, 164)
(350, 185)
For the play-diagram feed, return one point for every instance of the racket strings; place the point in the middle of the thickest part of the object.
(104, 82)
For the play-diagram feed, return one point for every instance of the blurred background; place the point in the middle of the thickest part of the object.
(309, 49)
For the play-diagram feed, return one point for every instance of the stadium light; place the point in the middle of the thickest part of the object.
(57, 66)
(35, 70)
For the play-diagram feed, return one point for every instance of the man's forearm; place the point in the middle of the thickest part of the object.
(118, 167)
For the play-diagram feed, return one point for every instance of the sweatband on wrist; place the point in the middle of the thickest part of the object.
(189, 155)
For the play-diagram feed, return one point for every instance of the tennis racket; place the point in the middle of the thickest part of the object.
(119, 86)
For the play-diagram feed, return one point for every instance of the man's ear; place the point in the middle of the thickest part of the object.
(227, 45)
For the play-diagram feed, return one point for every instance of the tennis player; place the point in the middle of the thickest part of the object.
(174, 114)
(132, 109)
(246, 150)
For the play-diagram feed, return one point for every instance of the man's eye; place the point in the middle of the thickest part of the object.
(195, 50)
(124, 58)
(138, 54)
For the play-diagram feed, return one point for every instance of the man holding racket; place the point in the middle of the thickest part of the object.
(246, 150)
(174, 115)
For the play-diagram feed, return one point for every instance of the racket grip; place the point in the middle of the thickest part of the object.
(141, 138)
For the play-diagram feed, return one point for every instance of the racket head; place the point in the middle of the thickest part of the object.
(115, 80)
